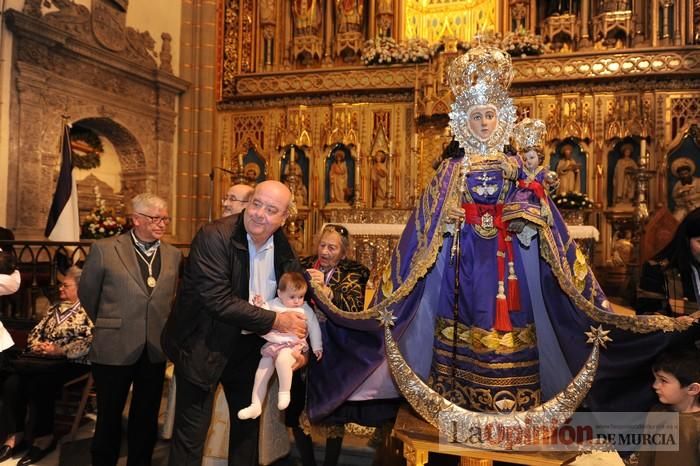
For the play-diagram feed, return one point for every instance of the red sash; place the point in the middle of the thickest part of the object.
(491, 216)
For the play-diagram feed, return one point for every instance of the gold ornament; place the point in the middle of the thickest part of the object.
(493, 431)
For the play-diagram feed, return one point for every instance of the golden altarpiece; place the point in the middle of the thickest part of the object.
(347, 102)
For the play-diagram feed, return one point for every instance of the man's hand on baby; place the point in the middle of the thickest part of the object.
(318, 354)
(291, 322)
(257, 301)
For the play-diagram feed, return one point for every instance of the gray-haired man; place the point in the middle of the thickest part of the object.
(128, 287)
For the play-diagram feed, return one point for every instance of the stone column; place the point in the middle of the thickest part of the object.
(585, 13)
(196, 119)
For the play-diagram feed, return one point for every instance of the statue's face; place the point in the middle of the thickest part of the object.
(339, 156)
(566, 151)
(532, 159)
(684, 173)
(483, 120)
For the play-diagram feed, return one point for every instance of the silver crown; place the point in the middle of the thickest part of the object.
(529, 133)
(484, 65)
(481, 77)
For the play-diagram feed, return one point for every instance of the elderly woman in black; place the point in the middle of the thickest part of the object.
(56, 350)
(344, 282)
(669, 283)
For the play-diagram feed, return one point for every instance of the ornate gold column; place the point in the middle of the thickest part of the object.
(196, 120)
(585, 40)
(327, 59)
(665, 25)
(654, 23)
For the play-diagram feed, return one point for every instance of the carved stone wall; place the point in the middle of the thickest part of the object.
(65, 66)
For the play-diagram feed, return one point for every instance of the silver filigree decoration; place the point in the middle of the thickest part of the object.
(481, 77)
(598, 336)
(529, 134)
(495, 431)
(386, 318)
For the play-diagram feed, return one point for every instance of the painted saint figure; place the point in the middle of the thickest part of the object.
(348, 15)
(623, 178)
(307, 17)
(300, 192)
(379, 177)
(569, 171)
(338, 176)
(686, 191)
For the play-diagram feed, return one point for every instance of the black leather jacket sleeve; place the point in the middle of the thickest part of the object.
(219, 274)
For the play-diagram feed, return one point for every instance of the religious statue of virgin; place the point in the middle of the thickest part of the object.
(479, 327)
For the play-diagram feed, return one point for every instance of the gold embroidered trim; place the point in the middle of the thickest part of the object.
(511, 212)
(486, 341)
(485, 400)
(562, 271)
(488, 365)
(514, 381)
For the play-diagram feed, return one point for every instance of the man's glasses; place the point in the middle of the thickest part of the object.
(233, 199)
(156, 220)
(65, 285)
(340, 229)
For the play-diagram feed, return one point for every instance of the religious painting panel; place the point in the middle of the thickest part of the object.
(294, 172)
(684, 175)
(569, 161)
(254, 167)
(340, 176)
(622, 162)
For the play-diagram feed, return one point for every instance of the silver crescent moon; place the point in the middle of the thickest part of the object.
(492, 431)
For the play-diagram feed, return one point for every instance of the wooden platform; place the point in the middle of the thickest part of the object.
(420, 438)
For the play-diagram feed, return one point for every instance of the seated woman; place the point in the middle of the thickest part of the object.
(670, 282)
(64, 334)
(343, 281)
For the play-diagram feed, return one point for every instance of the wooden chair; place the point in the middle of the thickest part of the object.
(81, 404)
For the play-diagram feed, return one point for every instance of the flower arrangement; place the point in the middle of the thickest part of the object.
(521, 43)
(101, 222)
(572, 201)
(449, 43)
(385, 51)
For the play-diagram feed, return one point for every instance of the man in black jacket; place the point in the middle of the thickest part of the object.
(212, 335)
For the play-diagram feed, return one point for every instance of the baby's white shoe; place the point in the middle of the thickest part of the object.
(282, 400)
(251, 412)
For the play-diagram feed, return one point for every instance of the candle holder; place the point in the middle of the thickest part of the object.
(359, 202)
(641, 212)
(390, 177)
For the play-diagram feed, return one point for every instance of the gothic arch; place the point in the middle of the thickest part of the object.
(128, 148)
(60, 73)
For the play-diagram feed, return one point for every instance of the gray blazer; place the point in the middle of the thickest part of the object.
(113, 292)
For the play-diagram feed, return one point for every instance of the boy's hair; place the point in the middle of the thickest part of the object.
(292, 280)
(8, 262)
(682, 364)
